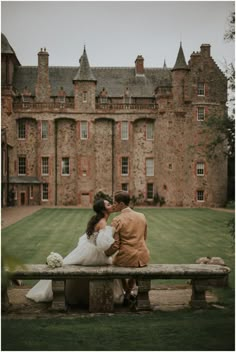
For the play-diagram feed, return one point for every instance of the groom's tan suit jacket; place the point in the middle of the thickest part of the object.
(130, 239)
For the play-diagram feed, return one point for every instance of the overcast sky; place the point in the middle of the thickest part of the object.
(115, 32)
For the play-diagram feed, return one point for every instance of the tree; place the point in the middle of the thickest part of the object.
(224, 128)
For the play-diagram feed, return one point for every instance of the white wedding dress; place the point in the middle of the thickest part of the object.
(90, 252)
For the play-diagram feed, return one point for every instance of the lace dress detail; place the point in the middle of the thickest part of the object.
(89, 252)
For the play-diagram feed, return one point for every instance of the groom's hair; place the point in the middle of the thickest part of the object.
(122, 196)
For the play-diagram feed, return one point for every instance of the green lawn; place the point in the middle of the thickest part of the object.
(174, 236)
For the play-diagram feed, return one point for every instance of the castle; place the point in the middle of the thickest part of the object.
(69, 132)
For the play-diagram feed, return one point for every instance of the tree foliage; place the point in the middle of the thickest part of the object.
(224, 128)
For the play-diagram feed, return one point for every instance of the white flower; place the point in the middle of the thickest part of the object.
(54, 260)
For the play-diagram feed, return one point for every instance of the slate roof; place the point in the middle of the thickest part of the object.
(84, 73)
(180, 63)
(5, 46)
(114, 79)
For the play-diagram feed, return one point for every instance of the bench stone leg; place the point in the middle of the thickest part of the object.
(4, 299)
(143, 302)
(198, 299)
(101, 296)
(58, 288)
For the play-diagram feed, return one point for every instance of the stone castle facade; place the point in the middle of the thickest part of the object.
(69, 132)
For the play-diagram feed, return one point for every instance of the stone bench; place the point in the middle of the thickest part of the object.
(101, 281)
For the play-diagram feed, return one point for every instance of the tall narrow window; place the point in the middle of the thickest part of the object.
(45, 191)
(200, 114)
(22, 165)
(84, 97)
(124, 130)
(200, 169)
(45, 165)
(21, 129)
(201, 89)
(44, 129)
(31, 192)
(200, 196)
(150, 191)
(65, 166)
(83, 130)
(124, 166)
(149, 167)
(150, 130)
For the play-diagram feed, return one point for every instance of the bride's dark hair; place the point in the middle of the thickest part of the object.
(99, 208)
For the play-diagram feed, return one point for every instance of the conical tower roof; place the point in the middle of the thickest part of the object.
(84, 73)
(180, 63)
(5, 46)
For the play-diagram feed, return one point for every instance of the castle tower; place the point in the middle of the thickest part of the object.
(84, 86)
(179, 77)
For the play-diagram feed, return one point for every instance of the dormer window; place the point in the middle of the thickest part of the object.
(26, 98)
(127, 100)
(62, 99)
(103, 100)
(103, 96)
(127, 97)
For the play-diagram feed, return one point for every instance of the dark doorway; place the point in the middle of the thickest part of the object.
(22, 198)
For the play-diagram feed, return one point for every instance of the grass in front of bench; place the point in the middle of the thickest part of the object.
(174, 236)
(210, 330)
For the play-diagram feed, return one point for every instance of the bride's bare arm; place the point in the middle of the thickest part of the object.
(100, 225)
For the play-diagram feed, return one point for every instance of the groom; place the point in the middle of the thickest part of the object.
(130, 238)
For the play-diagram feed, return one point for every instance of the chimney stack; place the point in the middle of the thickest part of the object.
(139, 65)
(43, 88)
(206, 50)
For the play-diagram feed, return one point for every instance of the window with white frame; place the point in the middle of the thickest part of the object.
(21, 165)
(65, 166)
(21, 129)
(84, 130)
(45, 164)
(44, 129)
(149, 167)
(200, 169)
(124, 130)
(125, 187)
(200, 113)
(45, 191)
(31, 192)
(201, 88)
(200, 196)
(85, 97)
(124, 166)
(149, 190)
(150, 130)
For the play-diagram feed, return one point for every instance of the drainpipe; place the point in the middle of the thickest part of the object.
(55, 162)
(8, 180)
(113, 157)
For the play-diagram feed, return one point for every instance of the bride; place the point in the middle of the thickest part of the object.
(89, 251)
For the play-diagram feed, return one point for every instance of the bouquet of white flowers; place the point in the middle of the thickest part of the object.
(54, 260)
